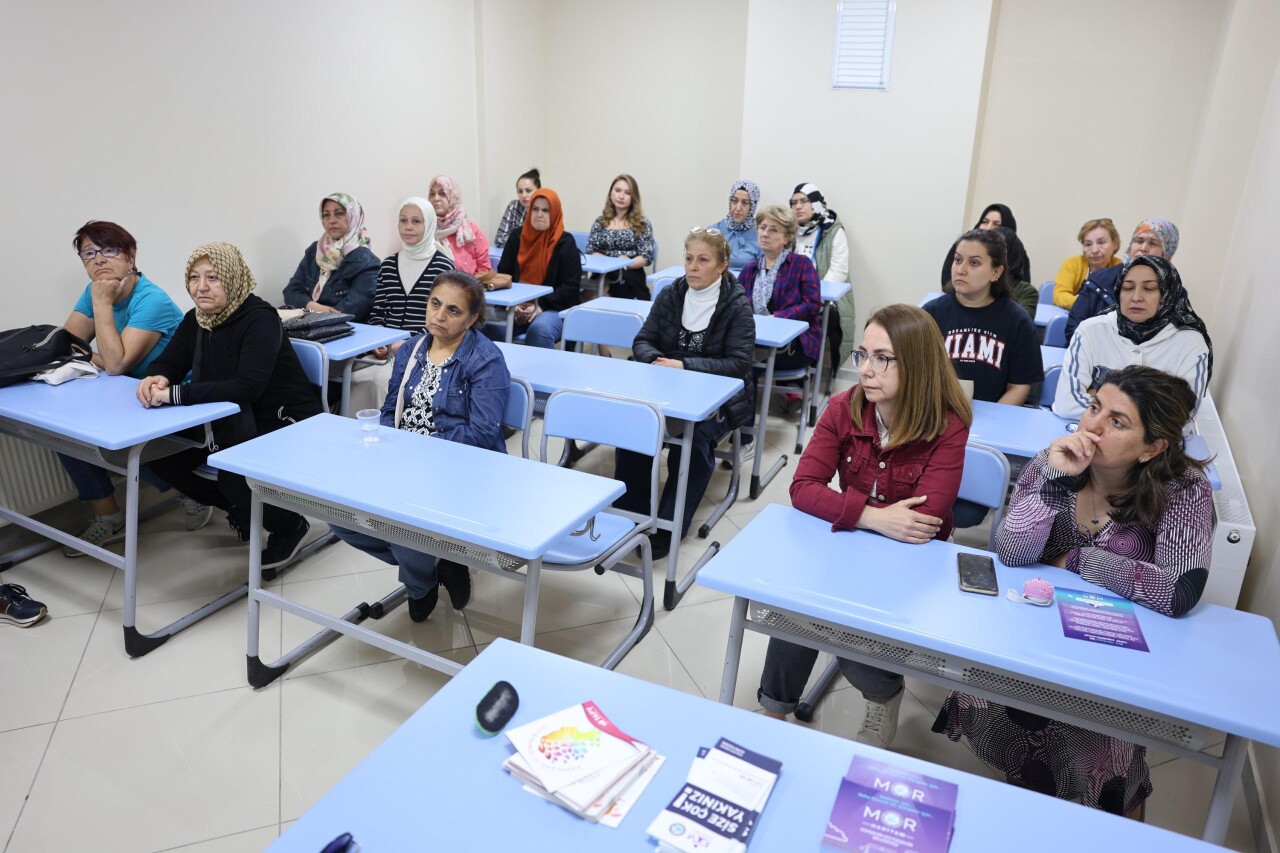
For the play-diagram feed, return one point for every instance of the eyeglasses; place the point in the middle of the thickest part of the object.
(701, 230)
(87, 255)
(879, 362)
(796, 202)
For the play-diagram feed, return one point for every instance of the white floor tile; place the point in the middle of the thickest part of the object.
(698, 634)
(253, 841)
(39, 664)
(1179, 802)
(66, 587)
(206, 657)
(157, 776)
(332, 720)
(565, 600)
(22, 750)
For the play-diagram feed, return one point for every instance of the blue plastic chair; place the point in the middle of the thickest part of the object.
(518, 413)
(657, 284)
(580, 237)
(586, 325)
(315, 363)
(613, 533)
(985, 481)
(1055, 334)
(1049, 388)
(929, 297)
(1046, 293)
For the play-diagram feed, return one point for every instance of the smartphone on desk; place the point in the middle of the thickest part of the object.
(977, 574)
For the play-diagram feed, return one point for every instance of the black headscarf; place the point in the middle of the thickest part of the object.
(1174, 308)
(1017, 253)
(1018, 271)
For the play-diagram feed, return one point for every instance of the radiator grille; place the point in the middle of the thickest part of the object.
(31, 478)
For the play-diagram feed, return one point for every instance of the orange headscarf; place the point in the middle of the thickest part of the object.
(536, 246)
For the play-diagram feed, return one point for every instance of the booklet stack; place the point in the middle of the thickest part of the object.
(717, 808)
(578, 759)
(885, 809)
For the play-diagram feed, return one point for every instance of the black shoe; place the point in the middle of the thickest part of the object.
(239, 527)
(18, 607)
(281, 548)
(660, 543)
(420, 608)
(456, 579)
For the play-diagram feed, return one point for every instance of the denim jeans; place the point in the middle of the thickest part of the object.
(633, 469)
(787, 667)
(417, 570)
(93, 483)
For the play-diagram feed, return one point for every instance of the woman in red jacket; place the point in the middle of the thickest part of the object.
(897, 442)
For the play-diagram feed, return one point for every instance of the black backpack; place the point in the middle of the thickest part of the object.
(26, 352)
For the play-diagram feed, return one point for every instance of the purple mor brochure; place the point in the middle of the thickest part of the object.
(1099, 618)
(883, 809)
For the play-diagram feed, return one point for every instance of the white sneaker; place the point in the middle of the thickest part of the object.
(880, 722)
(198, 514)
(746, 454)
(104, 530)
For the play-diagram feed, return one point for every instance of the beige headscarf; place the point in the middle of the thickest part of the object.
(234, 274)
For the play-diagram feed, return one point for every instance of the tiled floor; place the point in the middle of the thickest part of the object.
(174, 751)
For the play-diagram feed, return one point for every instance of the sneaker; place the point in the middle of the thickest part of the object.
(456, 579)
(17, 607)
(240, 529)
(746, 454)
(880, 722)
(104, 530)
(281, 548)
(420, 608)
(198, 514)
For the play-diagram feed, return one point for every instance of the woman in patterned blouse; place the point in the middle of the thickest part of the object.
(623, 231)
(450, 382)
(1121, 504)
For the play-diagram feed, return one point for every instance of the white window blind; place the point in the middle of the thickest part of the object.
(864, 44)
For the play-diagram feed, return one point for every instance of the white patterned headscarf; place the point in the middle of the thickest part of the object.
(329, 252)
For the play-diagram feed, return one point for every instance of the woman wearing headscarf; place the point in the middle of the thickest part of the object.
(235, 350)
(544, 254)
(1022, 291)
(338, 273)
(821, 238)
(466, 242)
(1152, 323)
(739, 227)
(1158, 237)
(992, 215)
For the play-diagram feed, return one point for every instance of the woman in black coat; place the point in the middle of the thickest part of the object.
(701, 322)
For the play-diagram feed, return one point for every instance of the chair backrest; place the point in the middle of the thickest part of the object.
(655, 254)
(928, 297)
(1049, 389)
(588, 325)
(657, 284)
(1055, 334)
(1046, 293)
(986, 481)
(518, 413)
(621, 422)
(580, 237)
(315, 363)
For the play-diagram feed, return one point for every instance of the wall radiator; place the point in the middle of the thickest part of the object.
(31, 478)
(1234, 530)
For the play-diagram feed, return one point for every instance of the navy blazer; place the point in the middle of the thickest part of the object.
(350, 287)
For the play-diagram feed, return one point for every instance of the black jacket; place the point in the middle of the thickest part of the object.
(728, 349)
(247, 360)
(1096, 295)
(564, 271)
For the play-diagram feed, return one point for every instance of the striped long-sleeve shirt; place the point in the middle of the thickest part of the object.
(395, 308)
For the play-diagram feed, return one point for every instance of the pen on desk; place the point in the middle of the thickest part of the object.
(344, 843)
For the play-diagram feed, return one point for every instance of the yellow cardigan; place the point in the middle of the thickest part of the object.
(1072, 273)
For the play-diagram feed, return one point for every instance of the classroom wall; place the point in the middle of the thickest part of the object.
(1093, 109)
(187, 126)
(653, 90)
(875, 155)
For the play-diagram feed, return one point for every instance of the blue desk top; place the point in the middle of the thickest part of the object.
(103, 412)
(601, 264)
(1015, 430)
(1046, 313)
(517, 294)
(512, 505)
(1052, 356)
(770, 331)
(438, 767)
(366, 338)
(1206, 667)
(672, 272)
(639, 307)
(833, 291)
(684, 394)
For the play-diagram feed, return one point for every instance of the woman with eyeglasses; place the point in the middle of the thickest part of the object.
(785, 283)
(739, 226)
(338, 273)
(896, 443)
(1100, 241)
(623, 231)
(701, 322)
(132, 320)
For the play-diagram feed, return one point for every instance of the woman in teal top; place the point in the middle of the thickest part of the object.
(132, 320)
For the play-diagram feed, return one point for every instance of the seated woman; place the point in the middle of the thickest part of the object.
(513, 216)
(544, 254)
(132, 320)
(1122, 505)
(450, 382)
(1154, 324)
(908, 414)
(234, 348)
(1100, 241)
(623, 231)
(701, 322)
(992, 215)
(785, 284)
(338, 273)
(740, 226)
(1158, 237)
(990, 339)
(466, 242)
(1022, 292)
(821, 238)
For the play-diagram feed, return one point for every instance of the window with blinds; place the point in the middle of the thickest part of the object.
(863, 45)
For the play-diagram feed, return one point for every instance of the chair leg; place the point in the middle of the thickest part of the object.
(645, 620)
(809, 702)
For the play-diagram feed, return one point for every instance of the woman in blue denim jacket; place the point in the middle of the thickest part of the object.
(450, 382)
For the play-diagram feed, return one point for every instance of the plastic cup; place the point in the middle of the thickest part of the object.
(368, 419)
